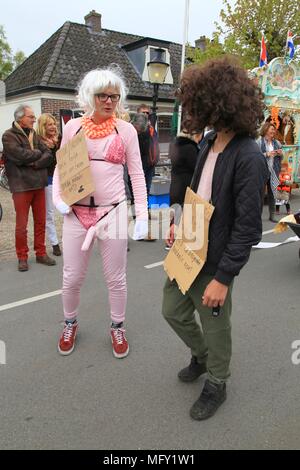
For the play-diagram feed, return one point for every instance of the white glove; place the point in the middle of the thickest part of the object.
(63, 208)
(140, 230)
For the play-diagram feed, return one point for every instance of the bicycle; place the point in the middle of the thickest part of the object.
(4, 185)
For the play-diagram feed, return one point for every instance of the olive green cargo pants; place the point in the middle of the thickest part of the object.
(212, 342)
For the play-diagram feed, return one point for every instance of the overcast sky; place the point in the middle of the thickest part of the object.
(29, 23)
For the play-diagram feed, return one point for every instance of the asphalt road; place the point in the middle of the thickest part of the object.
(90, 400)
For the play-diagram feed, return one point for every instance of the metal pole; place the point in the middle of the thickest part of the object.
(153, 117)
(185, 40)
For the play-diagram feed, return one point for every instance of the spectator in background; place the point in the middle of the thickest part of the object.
(287, 129)
(148, 140)
(47, 130)
(141, 124)
(183, 154)
(271, 148)
(26, 160)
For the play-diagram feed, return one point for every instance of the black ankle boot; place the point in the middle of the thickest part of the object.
(212, 396)
(192, 371)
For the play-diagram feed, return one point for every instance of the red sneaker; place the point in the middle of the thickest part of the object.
(66, 343)
(119, 342)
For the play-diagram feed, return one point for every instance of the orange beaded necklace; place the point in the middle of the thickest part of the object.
(97, 131)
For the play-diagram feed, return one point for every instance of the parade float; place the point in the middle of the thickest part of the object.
(280, 83)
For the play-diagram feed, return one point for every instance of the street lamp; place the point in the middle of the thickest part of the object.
(157, 70)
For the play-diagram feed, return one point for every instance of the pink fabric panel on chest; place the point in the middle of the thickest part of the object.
(116, 151)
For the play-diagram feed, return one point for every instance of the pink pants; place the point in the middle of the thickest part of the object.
(114, 260)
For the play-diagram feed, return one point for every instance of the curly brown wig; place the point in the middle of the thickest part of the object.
(220, 95)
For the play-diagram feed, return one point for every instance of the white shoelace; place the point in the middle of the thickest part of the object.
(68, 330)
(118, 334)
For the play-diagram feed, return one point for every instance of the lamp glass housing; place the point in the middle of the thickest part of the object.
(158, 68)
(157, 71)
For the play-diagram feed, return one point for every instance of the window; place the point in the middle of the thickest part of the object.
(153, 54)
(137, 57)
(143, 51)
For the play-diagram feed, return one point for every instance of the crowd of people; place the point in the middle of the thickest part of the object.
(29, 161)
(216, 154)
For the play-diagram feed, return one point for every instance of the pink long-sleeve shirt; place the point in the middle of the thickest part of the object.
(109, 177)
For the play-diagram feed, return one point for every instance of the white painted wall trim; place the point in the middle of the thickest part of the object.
(43, 94)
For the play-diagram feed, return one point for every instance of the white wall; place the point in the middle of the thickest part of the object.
(7, 111)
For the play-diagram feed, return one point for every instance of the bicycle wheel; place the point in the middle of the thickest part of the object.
(1, 212)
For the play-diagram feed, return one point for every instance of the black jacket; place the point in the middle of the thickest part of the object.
(183, 154)
(144, 144)
(238, 184)
(53, 151)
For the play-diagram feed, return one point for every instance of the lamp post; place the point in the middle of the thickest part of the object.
(157, 70)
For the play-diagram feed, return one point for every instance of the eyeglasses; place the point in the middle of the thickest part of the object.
(146, 112)
(103, 97)
(30, 117)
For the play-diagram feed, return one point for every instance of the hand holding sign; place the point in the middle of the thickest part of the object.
(74, 170)
(189, 251)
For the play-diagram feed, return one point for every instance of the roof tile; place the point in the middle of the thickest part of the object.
(73, 50)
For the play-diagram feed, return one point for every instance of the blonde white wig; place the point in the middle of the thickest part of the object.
(96, 81)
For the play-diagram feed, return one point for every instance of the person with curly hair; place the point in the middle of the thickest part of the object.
(230, 173)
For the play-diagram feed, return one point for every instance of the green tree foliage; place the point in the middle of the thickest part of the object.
(213, 49)
(19, 58)
(243, 23)
(8, 61)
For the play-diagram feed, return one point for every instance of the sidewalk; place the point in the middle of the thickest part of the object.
(7, 229)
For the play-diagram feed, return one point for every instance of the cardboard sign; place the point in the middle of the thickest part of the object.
(189, 251)
(74, 170)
